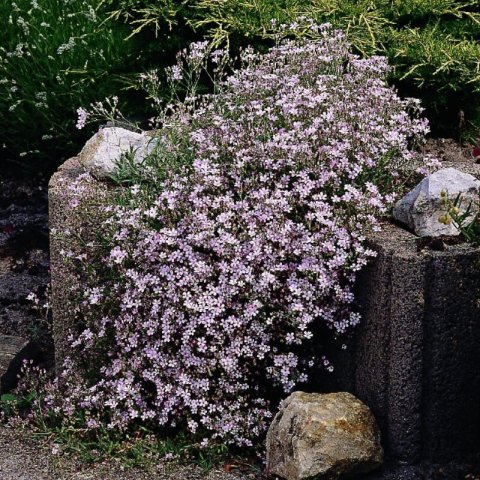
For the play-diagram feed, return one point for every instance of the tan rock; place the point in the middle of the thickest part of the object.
(322, 436)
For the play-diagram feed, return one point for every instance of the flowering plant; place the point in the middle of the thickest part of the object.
(235, 249)
(464, 214)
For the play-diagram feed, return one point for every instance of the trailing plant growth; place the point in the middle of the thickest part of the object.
(232, 252)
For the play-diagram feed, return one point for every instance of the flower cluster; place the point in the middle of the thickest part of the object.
(219, 284)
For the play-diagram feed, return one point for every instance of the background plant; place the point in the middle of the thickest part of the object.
(433, 47)
(55, 56)
(233, 250)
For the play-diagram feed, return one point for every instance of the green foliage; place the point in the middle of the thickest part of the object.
(59, 55)
(466, 219)
(162, 15)
(7, 404)
(11, 404)
(55, 56)
(141, 448)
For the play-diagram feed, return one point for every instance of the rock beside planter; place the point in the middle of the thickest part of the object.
(323, 436)
(102, 152)
(421, 208)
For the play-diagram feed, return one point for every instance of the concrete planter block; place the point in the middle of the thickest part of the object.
(415, 358)
(66, 224)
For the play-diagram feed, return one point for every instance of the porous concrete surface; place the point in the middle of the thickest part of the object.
(23, 458)
(70, 184)
(414, 360)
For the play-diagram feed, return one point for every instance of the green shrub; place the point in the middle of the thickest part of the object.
(55, 56)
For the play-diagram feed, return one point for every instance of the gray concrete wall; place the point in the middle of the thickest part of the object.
(67, 225)
(416, 354)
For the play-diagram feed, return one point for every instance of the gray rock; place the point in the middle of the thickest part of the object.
(322, 436)
(14, 287)
(102, 152)
(422, 207)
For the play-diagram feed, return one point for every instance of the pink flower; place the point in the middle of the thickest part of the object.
(82, 117)
(208, 298)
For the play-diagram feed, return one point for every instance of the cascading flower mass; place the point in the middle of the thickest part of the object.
(220, 277)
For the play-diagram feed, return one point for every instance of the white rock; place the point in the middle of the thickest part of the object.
(322, 436)
(421, 208)
(101, 153)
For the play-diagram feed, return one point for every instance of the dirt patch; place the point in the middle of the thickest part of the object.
(448, 150)
(23, 458)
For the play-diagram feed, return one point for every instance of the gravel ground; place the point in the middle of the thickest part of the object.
(23, 458)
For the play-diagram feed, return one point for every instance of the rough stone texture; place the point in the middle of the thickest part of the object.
(415, 357)
(421, 208)
(101, 153)
(324, 435)
(13, 351)
(84, 220)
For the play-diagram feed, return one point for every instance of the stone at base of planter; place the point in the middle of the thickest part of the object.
(13, 351)
(322, 436)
